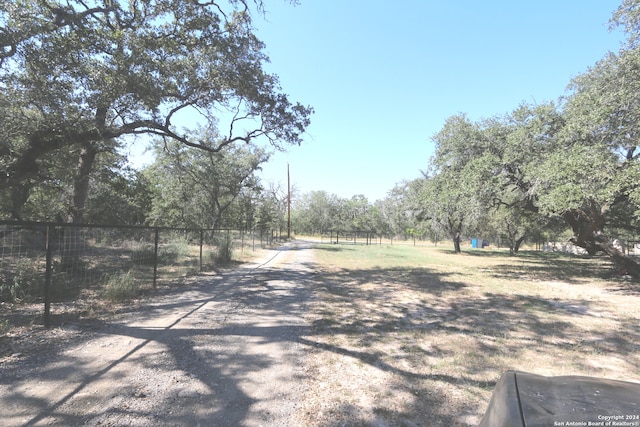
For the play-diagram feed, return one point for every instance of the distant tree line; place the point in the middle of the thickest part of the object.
(319, 212)
(537, 171)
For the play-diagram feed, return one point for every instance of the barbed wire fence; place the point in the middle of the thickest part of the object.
(50, 263)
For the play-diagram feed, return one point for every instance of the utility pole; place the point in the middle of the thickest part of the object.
(288, 203)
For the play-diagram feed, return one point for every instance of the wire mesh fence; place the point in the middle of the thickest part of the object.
(354, 237)
(364, 237)
(50, 262)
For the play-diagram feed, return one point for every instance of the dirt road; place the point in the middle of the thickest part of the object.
(225, 352)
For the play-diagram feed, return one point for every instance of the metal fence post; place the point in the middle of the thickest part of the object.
(201, 243)
(155, 257)
(46, 320)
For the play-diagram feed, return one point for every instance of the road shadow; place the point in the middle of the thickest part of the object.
(396, 320)
(179, 345)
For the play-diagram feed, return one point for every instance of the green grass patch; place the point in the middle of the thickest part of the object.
(495, 267)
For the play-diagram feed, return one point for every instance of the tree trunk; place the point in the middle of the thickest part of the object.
(81, 181)
(24, 174)
(19, 196)
(588, 234)
(626, 264)
(454, 229)
(456, 244)
(73, 243)
(585, 224)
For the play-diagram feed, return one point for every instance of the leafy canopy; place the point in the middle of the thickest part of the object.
(96, 70)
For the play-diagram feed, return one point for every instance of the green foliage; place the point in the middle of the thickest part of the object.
(224, 249)
(402, 212)
(143, 253)
(5, 326)
(200, 189)
(120, 286)
(453, 197)
(315, 212)
(459, 141)
(631, 174)
(24, 284)
(452, 209)
(271, 213)
(173, 251)
(628, 16)
(319, 212)
(77, 80)
(514, 175)
(572, 177)
(119, 196)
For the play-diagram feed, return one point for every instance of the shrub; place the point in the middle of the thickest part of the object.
(5, 326)
(168, 253)
(120, 286)
(224, 249)
(142, 254)
(25, 284)
(173, 251)
(71, 263)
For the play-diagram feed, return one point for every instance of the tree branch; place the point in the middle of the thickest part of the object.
(150, 127)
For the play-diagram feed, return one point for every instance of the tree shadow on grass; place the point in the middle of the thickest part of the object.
(412, 309)
(335, 248)
(549, 265)
(431, 334)
(570, 270)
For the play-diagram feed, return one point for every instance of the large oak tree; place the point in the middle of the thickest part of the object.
(77, 76)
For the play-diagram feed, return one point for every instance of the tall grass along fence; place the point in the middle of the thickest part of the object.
(52, 262)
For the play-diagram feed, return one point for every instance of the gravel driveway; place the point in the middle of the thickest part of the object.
(224, 352)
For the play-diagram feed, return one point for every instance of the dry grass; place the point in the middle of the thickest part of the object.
(419, 336)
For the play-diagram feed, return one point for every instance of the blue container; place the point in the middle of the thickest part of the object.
(474, 243)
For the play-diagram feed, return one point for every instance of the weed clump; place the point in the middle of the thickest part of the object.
(25, 284)
(120, 286)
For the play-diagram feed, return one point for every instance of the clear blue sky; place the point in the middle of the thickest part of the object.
(384, 76)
